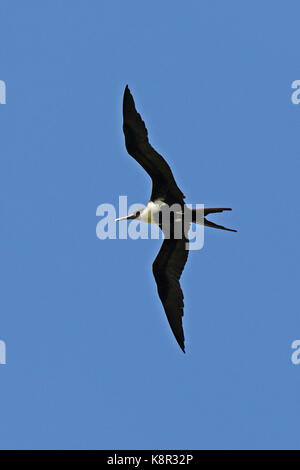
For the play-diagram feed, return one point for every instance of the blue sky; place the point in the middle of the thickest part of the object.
(91, 362)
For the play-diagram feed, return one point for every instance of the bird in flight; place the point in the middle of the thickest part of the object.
(171, 259)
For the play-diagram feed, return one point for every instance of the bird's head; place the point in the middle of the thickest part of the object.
(135, 215)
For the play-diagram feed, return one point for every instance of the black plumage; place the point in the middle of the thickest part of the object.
(172, 257)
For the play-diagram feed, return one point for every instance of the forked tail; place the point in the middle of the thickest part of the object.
(198, 217)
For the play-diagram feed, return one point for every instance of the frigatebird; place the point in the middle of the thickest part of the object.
(171, 259)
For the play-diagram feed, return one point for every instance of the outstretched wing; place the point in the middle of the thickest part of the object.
(138, 146)
(167, 270)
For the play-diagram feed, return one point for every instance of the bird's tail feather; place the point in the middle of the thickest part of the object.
(208, 223)
(198, 216)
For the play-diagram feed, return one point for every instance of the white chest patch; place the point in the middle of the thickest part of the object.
(150, 213)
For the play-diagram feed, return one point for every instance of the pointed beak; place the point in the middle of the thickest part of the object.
(127, 217)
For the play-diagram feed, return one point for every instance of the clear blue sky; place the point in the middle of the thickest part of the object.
(91, 362)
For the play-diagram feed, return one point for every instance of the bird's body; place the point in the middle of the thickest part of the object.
(167, 209)
(150, 213)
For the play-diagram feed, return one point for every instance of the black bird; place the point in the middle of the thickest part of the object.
(171, 259)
